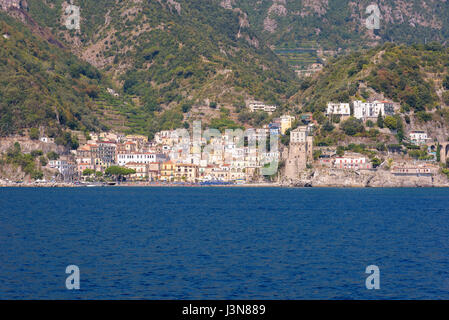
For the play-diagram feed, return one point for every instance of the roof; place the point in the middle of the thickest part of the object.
(135, 164)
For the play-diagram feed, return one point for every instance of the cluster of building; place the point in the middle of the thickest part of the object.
(171, 158)
(361, 110)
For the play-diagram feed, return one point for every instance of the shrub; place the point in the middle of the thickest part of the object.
(391, 122)
(52, 155)
(376, 162)
(36, 153)
(352, 126)
(423, 116)
(34, 134)
(43, 161)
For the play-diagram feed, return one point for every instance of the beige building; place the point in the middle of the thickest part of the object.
(141, 170)
(186, 172)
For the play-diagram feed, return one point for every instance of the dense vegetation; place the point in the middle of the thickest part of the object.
(166, 61)
(41, 84)
(410, 75)
(27, 162)
(174, 60)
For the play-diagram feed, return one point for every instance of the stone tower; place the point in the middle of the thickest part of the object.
(300, 152)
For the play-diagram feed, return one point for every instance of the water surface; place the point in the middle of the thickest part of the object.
(224, 243)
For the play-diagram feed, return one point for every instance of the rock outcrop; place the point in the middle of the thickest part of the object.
(326, 177)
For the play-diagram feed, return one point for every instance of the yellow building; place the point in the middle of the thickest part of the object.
(168, 171)
(286, 123)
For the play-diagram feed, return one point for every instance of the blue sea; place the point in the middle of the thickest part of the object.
(224, 243)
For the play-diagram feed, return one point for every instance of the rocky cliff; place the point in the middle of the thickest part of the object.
(325, 177)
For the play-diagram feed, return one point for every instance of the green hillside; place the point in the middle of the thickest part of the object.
(41, 84)
(340, 24)
(168, 57)
(173, 62)
(415, 76)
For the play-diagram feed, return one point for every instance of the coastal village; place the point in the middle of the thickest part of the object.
(169, 158)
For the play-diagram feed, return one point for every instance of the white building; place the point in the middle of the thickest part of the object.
(47, 140)
(339, 109)
(259, 106)
(145, 158)
(371, 110)
(418, 137)
(352, 162)
(64, 166)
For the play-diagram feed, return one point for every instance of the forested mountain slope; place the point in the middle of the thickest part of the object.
(42, 84)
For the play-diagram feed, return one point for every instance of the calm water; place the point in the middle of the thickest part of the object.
(224, 243)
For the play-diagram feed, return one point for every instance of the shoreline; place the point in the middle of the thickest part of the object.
(255, 185)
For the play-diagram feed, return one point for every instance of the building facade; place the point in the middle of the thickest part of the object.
(339, 109)
(418, 137)
(300, 152)
(371, 110)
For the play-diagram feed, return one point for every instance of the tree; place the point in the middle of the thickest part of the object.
(88, 172)
(340, 151)
(446, 82)
(52, 155)
(376, 162)
(119, 172)
(380, 120)
(285, 139)
(37, 175)
(391, 123)
(36, 153)
(34, 134)
(319, 117)
(186, 107)
(43, 161)
(352, 126)
(328, 126)
(438, 152)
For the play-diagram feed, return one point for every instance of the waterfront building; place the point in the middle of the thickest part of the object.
(352, 161)
(141, 170)
(65, 166)
(408, 170)
(300, 151)
(168, 171)
(186, 172)
(147, 158)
